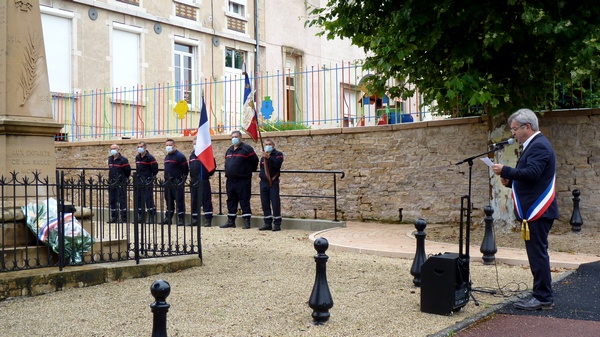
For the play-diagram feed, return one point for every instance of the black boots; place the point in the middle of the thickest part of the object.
(151, 216)
(169, 216)
(268, 227)
(193, 222)
(167, 219)
(265, 227)
(229, 224)
(207, 222)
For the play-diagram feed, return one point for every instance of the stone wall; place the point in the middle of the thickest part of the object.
(410, 166)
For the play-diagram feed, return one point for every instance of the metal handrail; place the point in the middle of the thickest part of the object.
(222, 193)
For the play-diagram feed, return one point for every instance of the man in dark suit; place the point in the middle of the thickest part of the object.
(533, 188)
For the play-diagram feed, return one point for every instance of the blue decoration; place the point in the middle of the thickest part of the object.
(267, 108)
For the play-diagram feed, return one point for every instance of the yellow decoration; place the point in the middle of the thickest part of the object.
(525, 230)
(181, 109)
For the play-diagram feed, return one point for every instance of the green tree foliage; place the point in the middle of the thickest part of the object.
(471, 57)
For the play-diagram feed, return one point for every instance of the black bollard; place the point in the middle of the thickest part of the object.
(420, 257)
(320, 298)
(160, 289)
(576, 220)
(488, 245)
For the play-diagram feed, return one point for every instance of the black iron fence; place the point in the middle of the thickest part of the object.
(315, 189)
(70, 220)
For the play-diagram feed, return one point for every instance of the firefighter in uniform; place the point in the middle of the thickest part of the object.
(176, 171)
(119, 172)
(146, 167)
(240, 162)
(269, 186)
(200, 175)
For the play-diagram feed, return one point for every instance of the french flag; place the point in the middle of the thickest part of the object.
(250, 119)
(203, 148)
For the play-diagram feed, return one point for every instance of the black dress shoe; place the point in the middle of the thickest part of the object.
(533, 304)
(521, 300)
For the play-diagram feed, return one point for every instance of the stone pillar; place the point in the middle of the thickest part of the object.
(27, 127)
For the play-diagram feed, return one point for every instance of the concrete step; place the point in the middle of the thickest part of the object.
(15, 234)
(32, 256)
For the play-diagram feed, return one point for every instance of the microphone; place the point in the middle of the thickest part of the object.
(509, 141)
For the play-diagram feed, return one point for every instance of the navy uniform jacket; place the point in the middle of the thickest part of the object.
(176, 166)
(118, 169)
(198, 170)
(146, 166)
(240, 162)
(534, 173)
(274, 163)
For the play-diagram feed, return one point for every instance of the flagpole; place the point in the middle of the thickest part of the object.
(249, 102)
(262, 145)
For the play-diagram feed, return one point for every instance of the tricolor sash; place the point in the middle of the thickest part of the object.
(537, 209)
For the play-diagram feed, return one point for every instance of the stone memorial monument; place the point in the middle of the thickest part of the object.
(27, 127)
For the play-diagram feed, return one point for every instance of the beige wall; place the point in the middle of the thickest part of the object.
(408, 166)
(92, 56)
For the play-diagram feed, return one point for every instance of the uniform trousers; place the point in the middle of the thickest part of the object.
(270, 201)
(207, 205)
(238, 191)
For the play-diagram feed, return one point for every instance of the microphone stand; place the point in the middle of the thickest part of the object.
(466, 257)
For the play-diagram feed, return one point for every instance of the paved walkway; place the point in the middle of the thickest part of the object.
(398, 241)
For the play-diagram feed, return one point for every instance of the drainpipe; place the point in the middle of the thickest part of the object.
(256, 59)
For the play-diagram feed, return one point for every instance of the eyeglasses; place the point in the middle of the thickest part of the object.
(517, 128)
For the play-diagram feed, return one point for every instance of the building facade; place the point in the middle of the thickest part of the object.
(119, 68)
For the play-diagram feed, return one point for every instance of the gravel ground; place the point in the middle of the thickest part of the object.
(257, 284)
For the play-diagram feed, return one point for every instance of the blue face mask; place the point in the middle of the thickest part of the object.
(140, 150)
(169, 149)
(113, 152)
(235, 141)
(268, 148)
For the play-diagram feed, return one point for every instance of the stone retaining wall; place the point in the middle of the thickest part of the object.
(410, 166)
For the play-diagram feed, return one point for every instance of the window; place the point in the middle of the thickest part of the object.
(184, 70)
(237, 7)
(131, 2)
(56, 27)
(234, 59)
(126, 59)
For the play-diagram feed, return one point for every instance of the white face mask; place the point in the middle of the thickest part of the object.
(235, 141)
(268, 148)
(113, 152)
(140, 150)
(169, 149)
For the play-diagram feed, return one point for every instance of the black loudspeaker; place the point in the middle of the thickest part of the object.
(444, 284)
